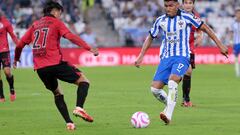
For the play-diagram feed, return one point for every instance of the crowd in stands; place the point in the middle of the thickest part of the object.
(131, 19)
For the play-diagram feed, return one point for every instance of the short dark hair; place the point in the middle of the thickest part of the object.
(48, 6)
(170, 0)
(192, 1)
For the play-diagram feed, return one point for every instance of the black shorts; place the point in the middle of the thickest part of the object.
(5, 60)
(192, 60)
(63, 71)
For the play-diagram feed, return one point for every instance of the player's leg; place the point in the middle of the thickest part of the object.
(237, 66)
(238, 63)
(2, 98)
(47, 75)
(71, 74)
(166, 115)
(10, 80)
(179, 68)
(186, 87)
(82, 92)
(159, 81)
(236, 51)
(158, 92)
(7, 71)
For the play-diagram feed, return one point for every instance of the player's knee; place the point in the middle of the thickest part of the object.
(175, 78)
(186, 77)
(154, 90)
(57, 92)
(54, 89)
(160, 94)
(8, 73)
(189, 72)
(82, 79)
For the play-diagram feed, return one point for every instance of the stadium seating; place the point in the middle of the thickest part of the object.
(129, 19)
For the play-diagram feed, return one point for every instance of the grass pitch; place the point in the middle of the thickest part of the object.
(115, 94)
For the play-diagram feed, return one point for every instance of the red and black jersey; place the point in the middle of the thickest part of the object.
(192, 38)
(5, 28)
(45, 36)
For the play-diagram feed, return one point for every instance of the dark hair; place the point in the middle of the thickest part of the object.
(48, 6)
(191, 0)
(170, 0)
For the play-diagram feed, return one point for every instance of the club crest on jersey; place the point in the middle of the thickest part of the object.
(1, 25)
(181, 24)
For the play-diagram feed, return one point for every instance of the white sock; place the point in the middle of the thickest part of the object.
(171, 99)
(237, 67)
(160, 94)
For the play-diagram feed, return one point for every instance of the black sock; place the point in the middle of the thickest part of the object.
(62, 108)
(1, 89)
(186, 87)
(82, 93)
(11, 82)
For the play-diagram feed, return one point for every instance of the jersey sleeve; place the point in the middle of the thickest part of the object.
(193, 19)
(27, 37)
(63, 28)
(155, 28)
(11, 33)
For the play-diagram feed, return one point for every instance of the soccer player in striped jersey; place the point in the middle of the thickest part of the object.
(45, 35)
(5, 62)
(236, 40)
(188, 6)
(175, 25)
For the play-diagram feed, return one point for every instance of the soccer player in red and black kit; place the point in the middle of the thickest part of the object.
(45, 35)
(5, 63)
(188, 6)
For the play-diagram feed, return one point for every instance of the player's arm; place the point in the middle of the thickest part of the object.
(11, 33)
(78, 41)
(205, 28)
(65, 32)
(26, 39)
(147, 43)
(199, 38)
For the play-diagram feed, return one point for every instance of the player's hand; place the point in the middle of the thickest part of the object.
(138, 62)
(94, 51)
(15, 64)
(224, 51)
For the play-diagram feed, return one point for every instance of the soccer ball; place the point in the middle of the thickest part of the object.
(140, 120)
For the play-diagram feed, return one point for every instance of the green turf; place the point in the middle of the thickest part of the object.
(115, 94)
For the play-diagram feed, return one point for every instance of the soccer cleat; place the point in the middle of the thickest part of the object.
(13, 97)
(2, 100)
(187, 104)
(164, 118)
(71, 126)
(80, 112)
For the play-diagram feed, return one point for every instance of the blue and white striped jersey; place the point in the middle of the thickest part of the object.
(236, 32)
(176, 32)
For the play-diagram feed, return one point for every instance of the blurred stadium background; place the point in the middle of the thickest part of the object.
(118, 28)
(119, 24)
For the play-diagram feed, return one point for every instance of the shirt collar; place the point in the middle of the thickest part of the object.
(49, 15)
